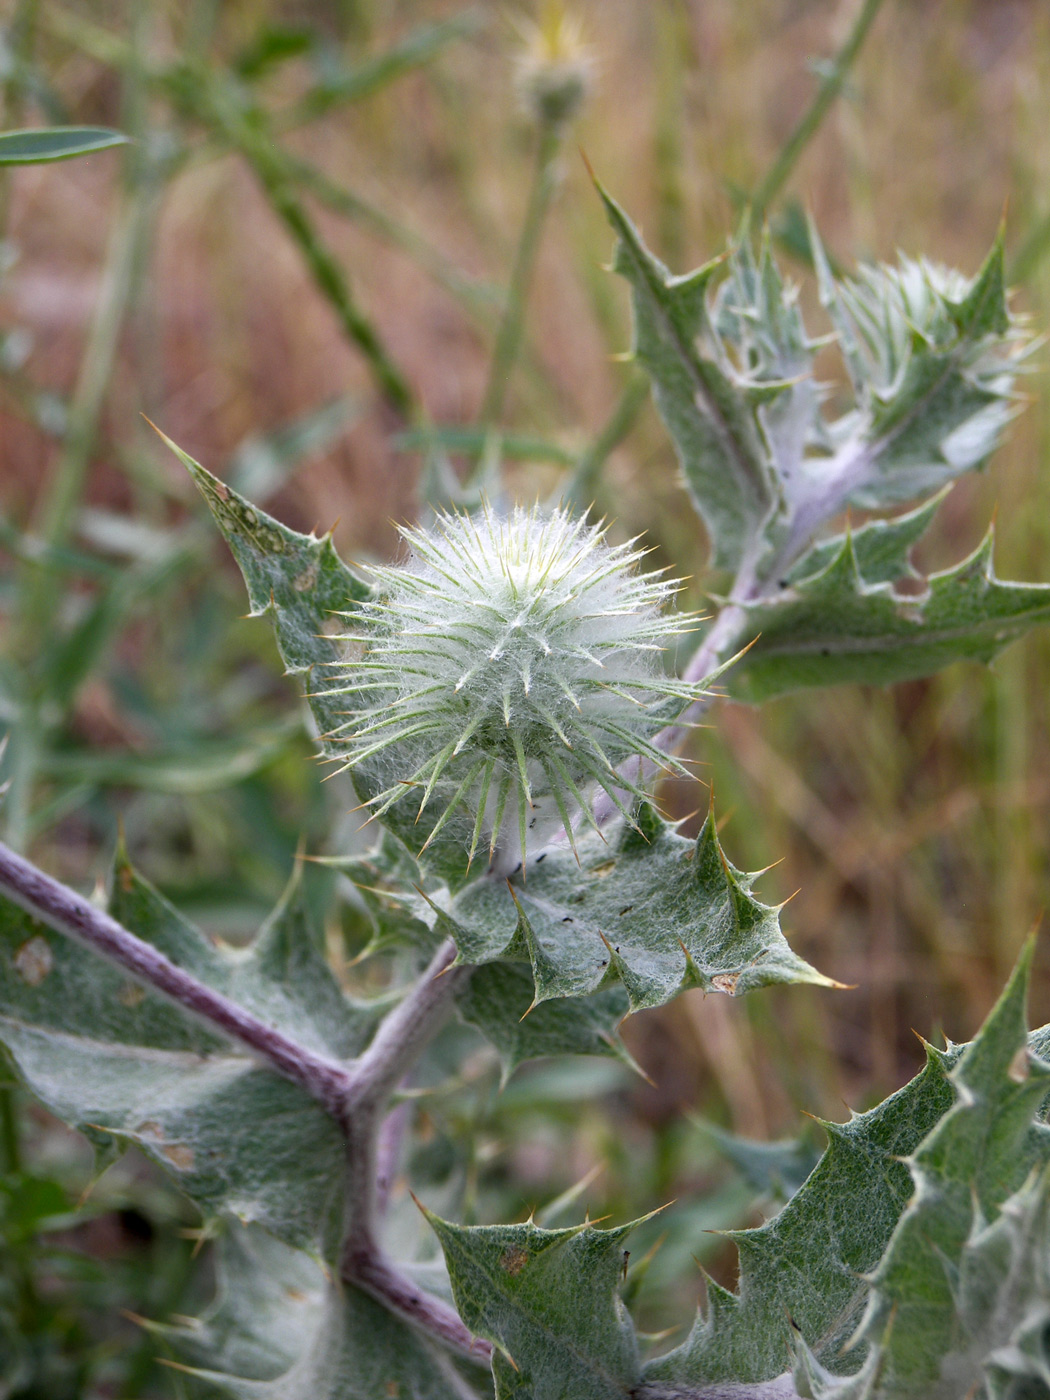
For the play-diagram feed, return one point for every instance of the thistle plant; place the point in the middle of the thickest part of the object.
(505, 686)
(508, 665)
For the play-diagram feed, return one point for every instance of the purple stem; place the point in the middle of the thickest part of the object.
(388, 1152)
(782, 1388)
(65, 910)
(354, 1095)
(397, 1045)
(371, 1270)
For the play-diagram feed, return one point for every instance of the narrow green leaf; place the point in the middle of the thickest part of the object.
(719, 446)
(549, 1302)
(42, 144)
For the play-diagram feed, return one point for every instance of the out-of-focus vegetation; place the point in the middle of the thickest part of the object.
(299, 268)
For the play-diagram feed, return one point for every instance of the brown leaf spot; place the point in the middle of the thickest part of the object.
(1018, 1070)
(393, 1389)
(221, 490)
(34, 960)
(303, 582)
(513, 1260)
(725, 982)
(130, 995)
(606, 868)
(127, 879)
(179, 1155)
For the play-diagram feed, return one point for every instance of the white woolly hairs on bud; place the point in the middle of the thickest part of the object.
(508, 666)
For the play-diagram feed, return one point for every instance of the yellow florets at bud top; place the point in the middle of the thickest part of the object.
(509, 664)
(553, 68)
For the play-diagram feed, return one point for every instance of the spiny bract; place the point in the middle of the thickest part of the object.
(507, 665)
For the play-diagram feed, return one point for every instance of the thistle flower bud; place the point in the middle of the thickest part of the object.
(553, 67)
(509, 664)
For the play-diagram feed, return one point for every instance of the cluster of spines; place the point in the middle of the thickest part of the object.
(499, 640)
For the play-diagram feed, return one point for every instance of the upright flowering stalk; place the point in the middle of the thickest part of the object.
(506, 666)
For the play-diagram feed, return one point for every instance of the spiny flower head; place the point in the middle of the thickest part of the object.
(507, 665)
(553, 66)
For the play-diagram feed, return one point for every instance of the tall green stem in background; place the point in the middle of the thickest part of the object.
(834, 78)
(509, 336)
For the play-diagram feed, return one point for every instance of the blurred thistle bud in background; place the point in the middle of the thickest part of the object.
(554, 67)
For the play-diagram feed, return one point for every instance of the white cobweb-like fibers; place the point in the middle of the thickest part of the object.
(509, 665)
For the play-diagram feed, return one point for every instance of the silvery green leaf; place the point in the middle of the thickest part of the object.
(882, 547)
(954, 1283)
(297, 580)
(308, 593)
(549, 1302)
(125, 1065)
(281, 1329)
(499, 1000)
(932, 356)
(807, 1276)
(835, 626)
(710, 413)
(645, 907)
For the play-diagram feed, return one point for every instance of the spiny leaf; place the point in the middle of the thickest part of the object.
(882, 547)
(835, 626)
(926, 1336)
(549, 1302)
(719, 446)
(125, 1065)
(280, 1329)
(964, 1126)
(499, 1000)
(647, 908)
(298, 580)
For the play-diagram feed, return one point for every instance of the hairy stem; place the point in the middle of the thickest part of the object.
(722, 639)
(781, 1388)
(399, 1042)
(388, 1152)
(375, 1273)
(63, 909)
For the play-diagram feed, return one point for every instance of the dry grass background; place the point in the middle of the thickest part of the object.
(915, 823)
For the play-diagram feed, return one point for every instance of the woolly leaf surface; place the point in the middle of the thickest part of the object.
(499, 1001)
(306, 590)
(125, 1065)
(932, 356)
(943, 1298)
(549, 1302)
(648, 908)
(280, 1329)
(836, 627)
(723, 459)
(298, 579)
(813, 1264)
